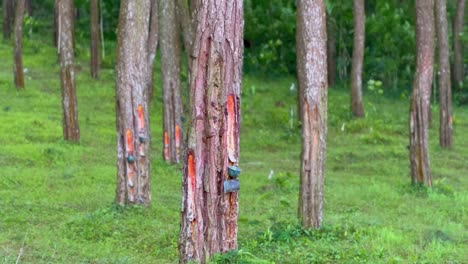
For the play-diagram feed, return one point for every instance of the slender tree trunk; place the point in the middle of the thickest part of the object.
(185, 19)
(152, 44)
(18, 58)
(94, 13)
(458, 45)
(170, 67)
(210, 190)
(27, 7)
(311, 43)
(71, 130)
(8, 17)
(55, 25)
(331, 51)
(357, 107)
(420, 99)
(445, 87)
(133, 135)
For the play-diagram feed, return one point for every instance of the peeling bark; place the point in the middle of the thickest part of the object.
(71, 130)
(132, 113)
(458, 45)
(170, 71)
(311, 43)
(94, 14)
(445, 87)
(18, 57)
(357, 107)
(420, 98)
(209, 211)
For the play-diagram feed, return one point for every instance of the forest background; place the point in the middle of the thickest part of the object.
(56, 198)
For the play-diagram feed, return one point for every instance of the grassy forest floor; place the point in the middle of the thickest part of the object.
(56, 198)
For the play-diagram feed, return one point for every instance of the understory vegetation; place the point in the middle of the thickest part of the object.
(56, 198)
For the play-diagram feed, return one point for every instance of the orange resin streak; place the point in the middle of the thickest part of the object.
(141, 117)
(129, 141)
(191, 172)
(166, 146)
(177, 136)
(230, 124)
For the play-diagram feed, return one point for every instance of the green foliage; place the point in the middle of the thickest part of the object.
(390, 44)
(269, 37)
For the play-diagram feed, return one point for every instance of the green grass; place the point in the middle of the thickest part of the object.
(56, 198)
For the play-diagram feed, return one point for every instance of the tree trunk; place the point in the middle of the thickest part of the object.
(331, 51)
(55, 25)
(18, 59)
(8, 17)
(133, 135)
(170, 72)
(152, 44)
(358, 55)
(94, 13)
(71, 130)
(420, 98)
(445, 87)
(210, 190)
(27, 7)
(458, 45)
(311, 43)
(185, 19)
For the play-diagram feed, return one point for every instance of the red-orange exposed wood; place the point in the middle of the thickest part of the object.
(141, 117)
(191, 171)
(231, 123)
(177, 142)
(129, 137)
(130, 165)
(167, 154)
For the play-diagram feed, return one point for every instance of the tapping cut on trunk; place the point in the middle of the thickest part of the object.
(132, 108)
(177, 142)
(141, 131)
(130, 165)
(167, 154)
(231, 124)
(209, 213)
(191, 171)
(141, 119)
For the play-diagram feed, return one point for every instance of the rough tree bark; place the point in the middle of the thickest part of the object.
(457, 44)
(331, 51)
(18, 58)
(152, 44)
(71, 130)
(8, 7)
(170, 71)
(133, 135)
(210, 190)
(94, 14)
(311, 43)
(445, 87)
(357, 107)
(420, 98)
